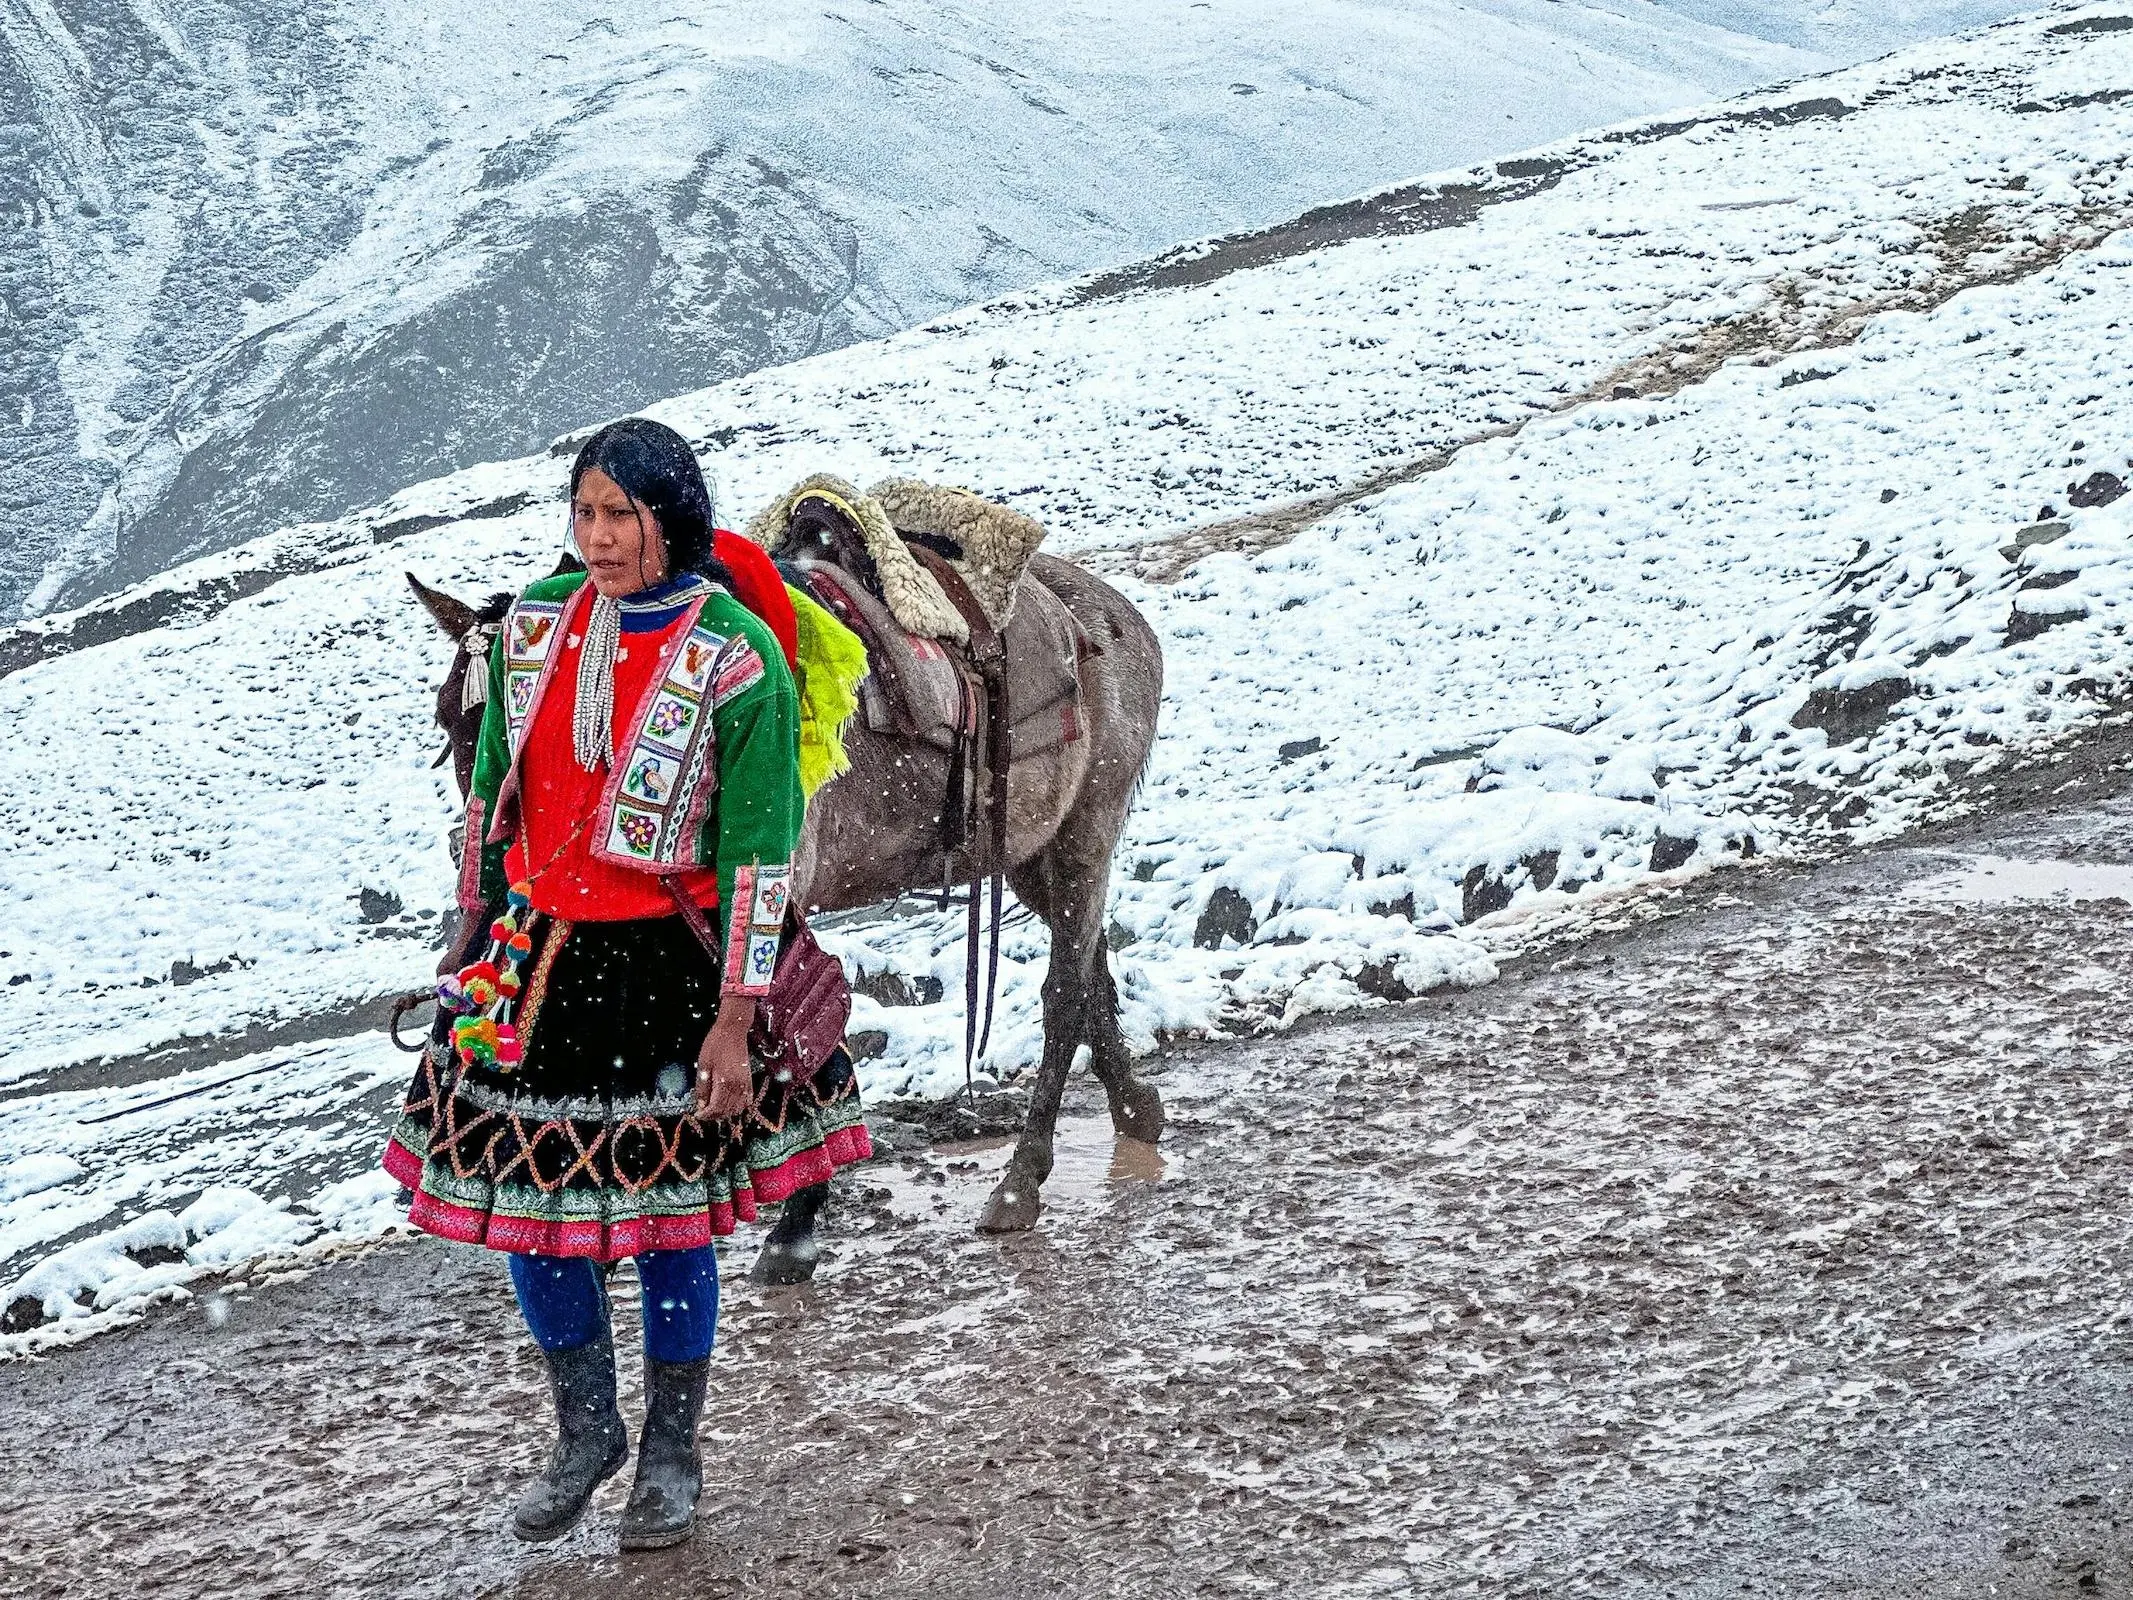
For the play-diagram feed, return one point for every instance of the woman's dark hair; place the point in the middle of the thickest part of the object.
(655, 467)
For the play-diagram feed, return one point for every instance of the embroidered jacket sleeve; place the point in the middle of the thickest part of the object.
(756, 713)
(482, 876)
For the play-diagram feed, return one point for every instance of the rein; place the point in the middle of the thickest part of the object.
(402, 1005)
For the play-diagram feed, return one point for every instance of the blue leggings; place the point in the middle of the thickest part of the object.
(565, 1303)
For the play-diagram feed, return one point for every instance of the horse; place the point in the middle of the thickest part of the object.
(876, 832)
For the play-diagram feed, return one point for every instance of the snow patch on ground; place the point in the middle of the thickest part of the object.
(121, 1197)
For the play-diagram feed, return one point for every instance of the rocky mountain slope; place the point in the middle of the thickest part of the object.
(265, 262)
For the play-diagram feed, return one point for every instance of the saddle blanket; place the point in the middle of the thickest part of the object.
(914, 689)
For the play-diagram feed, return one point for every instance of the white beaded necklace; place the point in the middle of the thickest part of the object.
(593, 717)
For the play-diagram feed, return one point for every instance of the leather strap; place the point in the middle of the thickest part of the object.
(988, 854)
(693, 915)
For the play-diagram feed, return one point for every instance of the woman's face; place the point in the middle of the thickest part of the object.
(619, 539)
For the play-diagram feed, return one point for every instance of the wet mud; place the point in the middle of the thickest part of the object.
(1779, 1247)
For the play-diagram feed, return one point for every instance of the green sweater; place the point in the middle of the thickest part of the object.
(756, 817)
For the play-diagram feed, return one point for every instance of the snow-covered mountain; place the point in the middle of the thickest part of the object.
(1512, 535)
(265, 262)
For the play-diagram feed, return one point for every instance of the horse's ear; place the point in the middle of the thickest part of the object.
(453, 616)
(568, 563)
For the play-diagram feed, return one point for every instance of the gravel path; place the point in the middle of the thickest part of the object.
(1779, 1247)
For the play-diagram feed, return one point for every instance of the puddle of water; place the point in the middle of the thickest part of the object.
(1999, 880)
(1089, 1161)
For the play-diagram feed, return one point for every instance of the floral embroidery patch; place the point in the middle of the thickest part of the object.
(662, 787)
(530, 633)
(761, 896)
(670, 718)
(638, 831)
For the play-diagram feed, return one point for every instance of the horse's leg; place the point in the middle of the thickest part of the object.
(1085, 845)
(1136, 1106)
(791, 1254)
(1012, 1206)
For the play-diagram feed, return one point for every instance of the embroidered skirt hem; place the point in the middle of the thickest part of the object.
(592, 1146)
(522, 1220)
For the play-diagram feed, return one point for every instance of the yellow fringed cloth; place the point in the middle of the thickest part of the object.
(832, 662)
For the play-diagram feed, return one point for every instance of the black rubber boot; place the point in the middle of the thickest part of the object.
(791, 1254)
(591, 1442)
(670, 1474)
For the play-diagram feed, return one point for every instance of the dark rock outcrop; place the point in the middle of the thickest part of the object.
(1228, 915)
(1480, 893)
(1378, 978)
(2048, 530)
(894, 989)
(2027, 622)
(1848, 714)
(2097, 489)
(1401, 906)
(1671, 850)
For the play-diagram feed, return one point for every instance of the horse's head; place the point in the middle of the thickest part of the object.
(821, 527)
(825, 520)
(464, 694)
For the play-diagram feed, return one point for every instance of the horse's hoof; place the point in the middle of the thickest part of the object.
(1137, 1112)
(782, 1265)
(1012, 1208)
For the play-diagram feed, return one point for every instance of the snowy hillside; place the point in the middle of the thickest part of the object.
(264, 262)
(1509, 535)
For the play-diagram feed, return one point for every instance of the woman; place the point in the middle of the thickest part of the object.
(588, 1094)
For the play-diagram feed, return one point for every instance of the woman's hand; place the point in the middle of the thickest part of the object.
(724, 1088)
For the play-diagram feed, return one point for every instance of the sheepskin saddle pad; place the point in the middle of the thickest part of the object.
(851, 548)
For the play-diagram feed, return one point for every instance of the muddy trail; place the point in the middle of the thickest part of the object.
(1778, 1246)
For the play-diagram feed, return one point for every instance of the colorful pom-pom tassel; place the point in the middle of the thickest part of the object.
(507, 985)
(520, 896)
(520, 945)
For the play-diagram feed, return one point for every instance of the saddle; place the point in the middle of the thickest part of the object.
(918, 688)
(967, 651)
